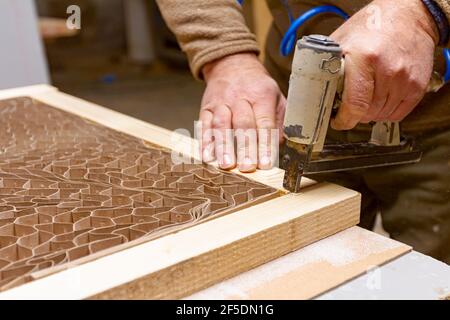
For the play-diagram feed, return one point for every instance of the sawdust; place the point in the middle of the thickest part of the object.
(333, 253)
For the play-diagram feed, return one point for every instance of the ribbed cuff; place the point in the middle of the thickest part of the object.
(221, 51)
(441, 20)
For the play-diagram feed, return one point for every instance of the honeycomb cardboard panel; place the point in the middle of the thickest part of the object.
(70, 188)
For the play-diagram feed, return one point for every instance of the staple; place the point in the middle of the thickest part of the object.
(70, 188)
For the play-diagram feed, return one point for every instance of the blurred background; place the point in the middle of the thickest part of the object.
(123, 56)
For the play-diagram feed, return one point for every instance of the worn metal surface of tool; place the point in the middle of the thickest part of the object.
(315, 91)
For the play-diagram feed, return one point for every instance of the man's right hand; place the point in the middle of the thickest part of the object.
(388, 65)
(240, 94)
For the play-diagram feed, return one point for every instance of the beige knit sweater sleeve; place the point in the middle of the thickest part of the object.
(445, 5)
(208, 29)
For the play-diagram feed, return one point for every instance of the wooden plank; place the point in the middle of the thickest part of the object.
(179, 264)
(309, 272)
(26, 91)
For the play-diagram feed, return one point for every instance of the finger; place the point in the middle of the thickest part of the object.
(206, 138)
(357, 96)
(244, 126)
(266, 121)
(406, 107)
(268, 142)
(223, 137)
(397, 93)
(380, 97)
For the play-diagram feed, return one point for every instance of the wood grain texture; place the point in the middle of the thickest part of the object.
(309, 272)
(179, 264)
(26, 91)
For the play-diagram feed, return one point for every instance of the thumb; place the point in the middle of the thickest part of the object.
(358, 92)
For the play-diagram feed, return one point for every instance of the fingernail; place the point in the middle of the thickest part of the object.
(248, 161)
(265, 162)
(207, 155)
(226, 161)
(247, 165)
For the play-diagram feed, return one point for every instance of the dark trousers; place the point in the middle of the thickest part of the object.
(414, 200)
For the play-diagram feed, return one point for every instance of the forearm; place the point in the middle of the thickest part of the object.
(208, 30)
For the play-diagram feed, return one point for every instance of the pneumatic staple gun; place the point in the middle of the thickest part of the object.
(315, 90)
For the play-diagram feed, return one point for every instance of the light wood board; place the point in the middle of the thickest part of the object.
(309, 272)
(180, 264)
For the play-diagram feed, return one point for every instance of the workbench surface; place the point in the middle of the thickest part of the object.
(410, 275)
(413, 276)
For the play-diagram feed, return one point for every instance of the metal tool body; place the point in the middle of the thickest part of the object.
(315, 90)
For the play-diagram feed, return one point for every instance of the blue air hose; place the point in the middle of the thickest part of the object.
(289, 39)
(447, 59)
(288, 42)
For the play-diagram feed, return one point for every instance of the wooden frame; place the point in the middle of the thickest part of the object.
(182, 263)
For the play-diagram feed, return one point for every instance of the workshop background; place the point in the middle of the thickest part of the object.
(123, 57)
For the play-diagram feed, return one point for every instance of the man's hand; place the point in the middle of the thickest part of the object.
(388, 49)
(240, 94)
